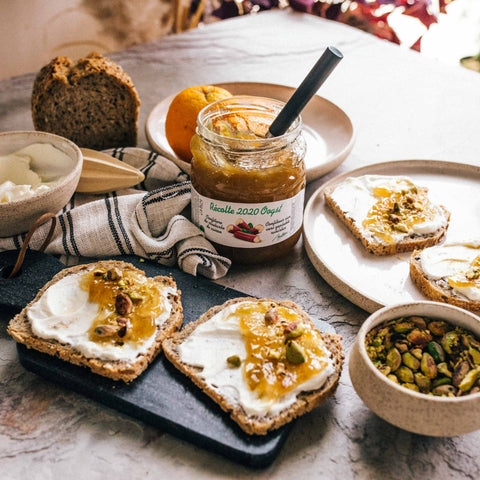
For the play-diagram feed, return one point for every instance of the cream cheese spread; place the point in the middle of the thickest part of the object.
(212, 342)
(451, 259)
(355, 196)
(64, 313)
(32, 170)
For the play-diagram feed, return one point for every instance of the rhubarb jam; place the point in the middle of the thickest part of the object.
(145, 299)
(397, 212)
(247, 190)
(267, 368)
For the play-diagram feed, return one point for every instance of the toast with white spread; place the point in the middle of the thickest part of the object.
(449, 273)
(261, 360)
(388, 214)
(107, 316)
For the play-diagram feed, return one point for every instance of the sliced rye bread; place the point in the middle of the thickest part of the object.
(254, 424)
(438, 290)
(20, 329)
(376, 245)
(93, 103)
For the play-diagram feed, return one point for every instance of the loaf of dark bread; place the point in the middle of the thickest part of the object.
(93, 103)
(255, 424)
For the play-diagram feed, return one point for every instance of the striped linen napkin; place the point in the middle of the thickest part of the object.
(148, 220)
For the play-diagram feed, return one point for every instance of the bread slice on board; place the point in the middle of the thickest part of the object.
(254, 424)
(378, 246)
(21, 330)
(93, 103)
(437, 289)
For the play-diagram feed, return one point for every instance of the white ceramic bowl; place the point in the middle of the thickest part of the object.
(18, 216)
(412, 411)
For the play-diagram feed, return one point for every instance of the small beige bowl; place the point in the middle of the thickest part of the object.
(18, 216)
(412, 411)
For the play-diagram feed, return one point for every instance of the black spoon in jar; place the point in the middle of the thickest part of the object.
(310, 85)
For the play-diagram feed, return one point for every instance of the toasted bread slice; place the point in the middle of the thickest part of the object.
(438, 289)
(378, 246)
(255, 424)
(20, 328)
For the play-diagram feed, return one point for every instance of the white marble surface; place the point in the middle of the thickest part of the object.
(403, 106)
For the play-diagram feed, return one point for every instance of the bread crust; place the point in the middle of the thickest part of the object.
(437, 290)
(20, 329)
(78, 117)
(377, 246)
(252, 424)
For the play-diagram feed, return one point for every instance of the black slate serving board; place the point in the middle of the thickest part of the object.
(161, 396)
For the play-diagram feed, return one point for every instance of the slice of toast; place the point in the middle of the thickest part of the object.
(20, 329)
(438, 289)
(378, 246)
(255, 424)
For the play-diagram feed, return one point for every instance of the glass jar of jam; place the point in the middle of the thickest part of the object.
(247, 190)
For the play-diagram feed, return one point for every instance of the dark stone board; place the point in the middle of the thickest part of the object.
(161, 396)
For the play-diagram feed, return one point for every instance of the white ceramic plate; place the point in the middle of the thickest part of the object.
(370, 281)
(328, 130)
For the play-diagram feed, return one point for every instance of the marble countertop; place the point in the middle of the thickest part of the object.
(403, 106)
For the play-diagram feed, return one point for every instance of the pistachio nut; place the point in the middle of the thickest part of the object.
(419, 322)
(442, 369)
(438, 328)
(428, 366)
(394, 359)
(445, 390)
(393, 378)
(114, 274)
(410, 361)
(469, 380)
(234, 361)
(106, 330)
(411, 386)
(450, 341)
(403, 327)
(385, 369)
(401, 347)
(436, 351)
(295, 353)
(271, 316)
(293, 329)
(98, 272)
(419, 337)
(441, 381)
(404, 374)
(475, 355)
(417, 353)
(459, 373)
(422, 381)
(135, 296)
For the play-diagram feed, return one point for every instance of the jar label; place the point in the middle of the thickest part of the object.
(247, 225)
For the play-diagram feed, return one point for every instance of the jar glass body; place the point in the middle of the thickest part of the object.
(248, 190)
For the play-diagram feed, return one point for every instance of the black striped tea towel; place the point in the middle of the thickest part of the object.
(147, 221)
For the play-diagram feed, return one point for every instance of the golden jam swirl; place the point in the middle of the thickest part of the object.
(397, 212)
(148, 304)
(467, 278)
(266, 369)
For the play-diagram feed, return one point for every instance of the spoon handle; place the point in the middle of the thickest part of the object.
(312, 82)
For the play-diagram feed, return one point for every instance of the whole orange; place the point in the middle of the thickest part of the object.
(182, 114)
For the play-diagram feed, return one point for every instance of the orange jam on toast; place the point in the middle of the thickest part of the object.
(128, 305)
(397, 212)
(469, 277)
(271, 369)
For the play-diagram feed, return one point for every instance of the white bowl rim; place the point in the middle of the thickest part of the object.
(375, 319)
(63, 181)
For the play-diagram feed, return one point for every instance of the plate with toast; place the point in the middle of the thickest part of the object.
(399, 231)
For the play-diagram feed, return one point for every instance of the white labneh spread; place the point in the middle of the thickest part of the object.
(32, 170)
(355, 196)
(449, 259)
(212, 342)
(64, 313)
